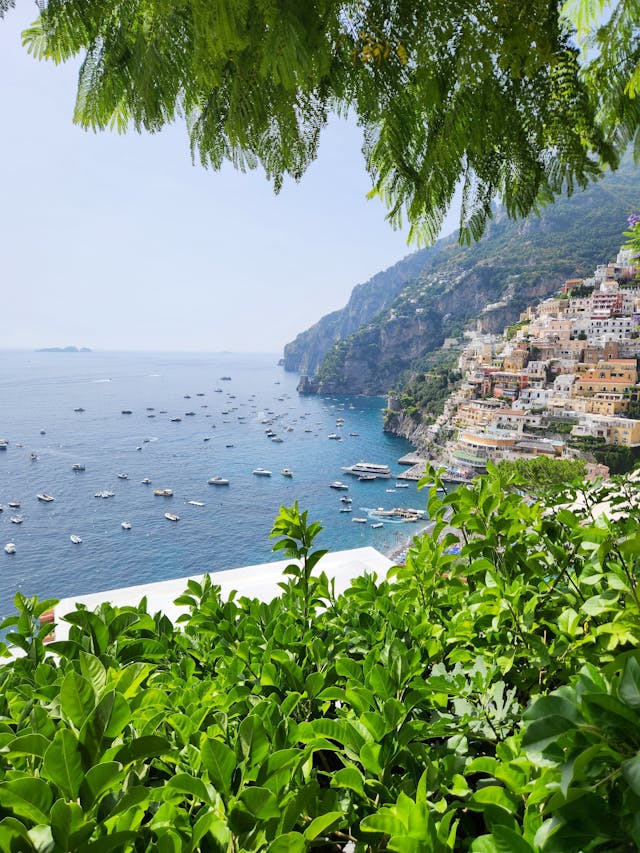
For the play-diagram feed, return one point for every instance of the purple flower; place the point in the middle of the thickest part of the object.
(633, 220)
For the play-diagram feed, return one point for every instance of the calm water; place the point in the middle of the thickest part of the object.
(39, 391)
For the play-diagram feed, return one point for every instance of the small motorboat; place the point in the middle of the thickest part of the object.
(345, 500)
(10, 548)
(218, 481)
(338, 485)
(172, 516)
(79, 409)
(16, 519)
(175, 420)
(146, 481)
(261, 472)
(14, 504)
(402, 485)
(126, 412)
(123, 476)
(196, 503)
(77, 467)
(345, 509)
(34, 457)
(165, 493)
(125, 525)
(378, 524)
(360, 520)
(43, 432)
(189, 414)
(44, 497)
(286, 472)
(104, 494)
(75, 539)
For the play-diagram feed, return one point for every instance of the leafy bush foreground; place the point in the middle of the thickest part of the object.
(487, 700)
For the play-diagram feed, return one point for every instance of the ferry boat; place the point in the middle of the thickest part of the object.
(172, 516)
(365, 468)
(165, 493)
(43, 496)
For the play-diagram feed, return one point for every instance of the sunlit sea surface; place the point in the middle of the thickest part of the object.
(224, 437)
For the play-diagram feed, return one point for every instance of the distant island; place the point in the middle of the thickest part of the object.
(64, 349)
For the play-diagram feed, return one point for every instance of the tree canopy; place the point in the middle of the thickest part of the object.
(516, 101)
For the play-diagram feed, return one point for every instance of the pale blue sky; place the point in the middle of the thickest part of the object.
(120, 242)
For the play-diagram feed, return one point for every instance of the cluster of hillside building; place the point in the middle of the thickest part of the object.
(567, 371)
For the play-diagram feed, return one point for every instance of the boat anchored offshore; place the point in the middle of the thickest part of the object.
(261, 472)
(75, 539)
(16, 519)
(218, 481)
(43, 496)
(125, 525)
(172, 516)
(196, 503)
(368, 468)
(286, 472)
(10, 548)
(165, 493)
(338, 485)
(77, 467)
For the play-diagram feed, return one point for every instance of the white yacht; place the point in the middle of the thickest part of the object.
(196, 503)
(261, 472)
(75, 539)
(218, 481)
(14, 504)
(172, 516)
(146, 481)
(10, 548)
(123, 476)
(43, 496)
(368, 468)
(125, 525)
(287, 472)
(77, 467)
(16, 519)
(338, 485)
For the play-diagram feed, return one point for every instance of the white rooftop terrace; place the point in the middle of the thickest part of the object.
(260, 581)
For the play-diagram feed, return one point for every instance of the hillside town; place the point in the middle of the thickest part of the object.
(560, 383)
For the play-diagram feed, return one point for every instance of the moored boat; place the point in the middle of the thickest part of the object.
(261, 472)
(125, 525)
(10, 548)
(16, 519)
(165, 493)
(368, 468)
(146, 481)
(122, 476)
(286, 472)
(75, 539)
(338, 485)
(171, 516)
(77, 466)
(43, 496)
(196, 503)
(218, 481)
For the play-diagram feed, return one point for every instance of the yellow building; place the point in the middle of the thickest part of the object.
(606, 377)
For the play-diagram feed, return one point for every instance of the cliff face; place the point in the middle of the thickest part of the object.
(371, 360)
(306, 352)
(404, 314)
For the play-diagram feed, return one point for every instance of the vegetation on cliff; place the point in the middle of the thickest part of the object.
(485, 700)
(490, 282)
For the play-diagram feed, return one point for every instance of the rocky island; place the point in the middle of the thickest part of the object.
(64, 349)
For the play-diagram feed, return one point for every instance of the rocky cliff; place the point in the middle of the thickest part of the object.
(486, 284)
(306, 352)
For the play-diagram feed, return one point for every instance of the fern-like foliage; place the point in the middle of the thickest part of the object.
(492, 95)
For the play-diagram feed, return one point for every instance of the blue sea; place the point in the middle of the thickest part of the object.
(224, 437)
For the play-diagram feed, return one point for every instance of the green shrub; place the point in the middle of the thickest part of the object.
(484, 700)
